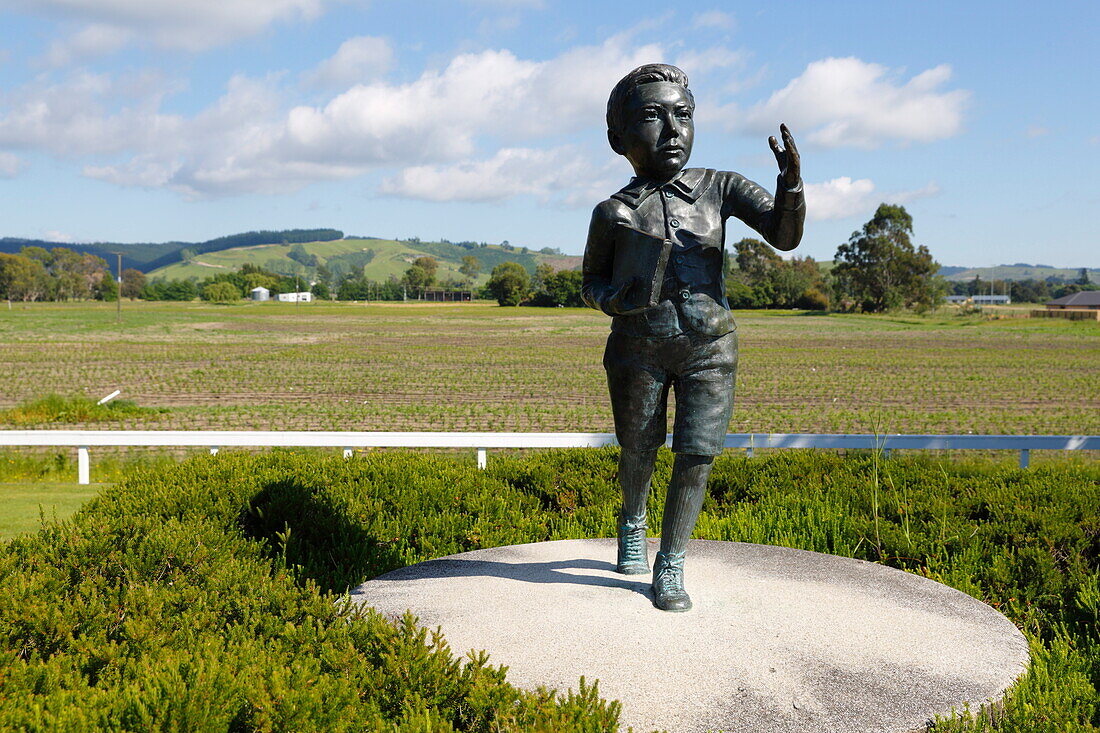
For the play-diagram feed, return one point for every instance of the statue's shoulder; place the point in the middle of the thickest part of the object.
(612, 210)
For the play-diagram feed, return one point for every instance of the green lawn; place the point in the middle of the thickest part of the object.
(24, 503)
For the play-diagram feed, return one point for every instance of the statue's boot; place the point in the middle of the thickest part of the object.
(685, 499)
(635, 473)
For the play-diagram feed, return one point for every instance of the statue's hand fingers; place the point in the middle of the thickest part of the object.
(778, 151)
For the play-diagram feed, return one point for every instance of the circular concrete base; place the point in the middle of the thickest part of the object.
(779, 639)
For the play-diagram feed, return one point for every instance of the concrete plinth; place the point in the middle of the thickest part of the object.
(779, 639)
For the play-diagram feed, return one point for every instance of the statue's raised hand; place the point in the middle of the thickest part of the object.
(790, 165)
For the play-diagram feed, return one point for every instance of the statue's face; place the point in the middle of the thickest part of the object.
(658, 130)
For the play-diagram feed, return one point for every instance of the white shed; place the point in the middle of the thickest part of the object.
(261, 294)
(295, 297)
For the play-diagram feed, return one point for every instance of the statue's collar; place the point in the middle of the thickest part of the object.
(689, 183)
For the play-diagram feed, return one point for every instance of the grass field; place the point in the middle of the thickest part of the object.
(480, 367)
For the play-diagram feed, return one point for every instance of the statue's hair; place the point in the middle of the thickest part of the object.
(642, 75)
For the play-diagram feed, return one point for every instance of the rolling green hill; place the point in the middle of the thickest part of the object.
(1018, 271)
(378, 259)
(149, 256)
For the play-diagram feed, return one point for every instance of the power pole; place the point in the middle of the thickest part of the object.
(118, 310)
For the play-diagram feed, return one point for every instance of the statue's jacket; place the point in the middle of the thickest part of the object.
(690, 211)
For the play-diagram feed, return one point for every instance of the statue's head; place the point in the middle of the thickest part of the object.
(650, 120)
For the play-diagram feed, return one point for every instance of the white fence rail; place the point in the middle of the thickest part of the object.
(84, 440)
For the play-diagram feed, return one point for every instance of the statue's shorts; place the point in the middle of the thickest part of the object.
(701, 370)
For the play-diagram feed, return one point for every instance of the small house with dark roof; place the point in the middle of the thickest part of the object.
(1084, 306)
(1085, 300)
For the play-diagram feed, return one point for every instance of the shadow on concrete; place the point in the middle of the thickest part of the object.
(525, 572)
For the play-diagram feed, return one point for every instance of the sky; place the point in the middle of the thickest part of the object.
(483, 120)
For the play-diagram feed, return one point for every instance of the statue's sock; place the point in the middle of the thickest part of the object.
(685, 499)
(635, 474)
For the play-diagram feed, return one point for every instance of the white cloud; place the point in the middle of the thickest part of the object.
(192, 25)
(53, 235)
(250, 141)
(714, 19)
(10, 165)
(97, 39)
(359, 59)
(707, 59)
(75, 117)
(1037, 131)
(848, 102)
(564, 174)
(245, 143)
(842, 197)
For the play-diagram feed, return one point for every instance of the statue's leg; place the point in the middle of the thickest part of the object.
(706, 369)
(635, 474)
(639, 396)
(685, 498)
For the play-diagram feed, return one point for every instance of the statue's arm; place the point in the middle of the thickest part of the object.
(598, 262)
(778, 219)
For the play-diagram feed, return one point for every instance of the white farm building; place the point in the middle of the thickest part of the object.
(294, 297)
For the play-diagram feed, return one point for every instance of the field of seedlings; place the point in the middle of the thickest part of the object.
(481, 367)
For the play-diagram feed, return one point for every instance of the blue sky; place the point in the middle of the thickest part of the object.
(149, 120)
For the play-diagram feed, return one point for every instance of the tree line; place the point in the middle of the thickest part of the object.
(878, 269)
(58, 274)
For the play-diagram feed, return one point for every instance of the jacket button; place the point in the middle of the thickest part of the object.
(668, 193)
(674, 222)
(685, 294)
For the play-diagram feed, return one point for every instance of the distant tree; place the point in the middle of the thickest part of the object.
(763, 279)
(879, 269)
(421, 274)
(564, 288)
(1064, 289)
(221, 292)
(254, 280)
(509, 283)
(429, 264)
(542, 272)
(755, 258)
(471, 266)
(182, 290)
(1083, 276)
(1029, 291)
(320, 290)
(106, 289)
(132, 283)
(22, 278)
(299, 254)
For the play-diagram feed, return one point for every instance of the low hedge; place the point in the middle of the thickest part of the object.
(211, 595)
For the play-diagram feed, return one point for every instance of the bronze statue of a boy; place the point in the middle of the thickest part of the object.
(653, 263)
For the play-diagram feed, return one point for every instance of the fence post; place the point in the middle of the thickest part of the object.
(347, 452)
(482, 459)
(83, 469)
(213, 450)
(1025, 457)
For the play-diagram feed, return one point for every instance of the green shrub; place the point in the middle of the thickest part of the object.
(221, 292)
(55, 408)
(208, 596)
